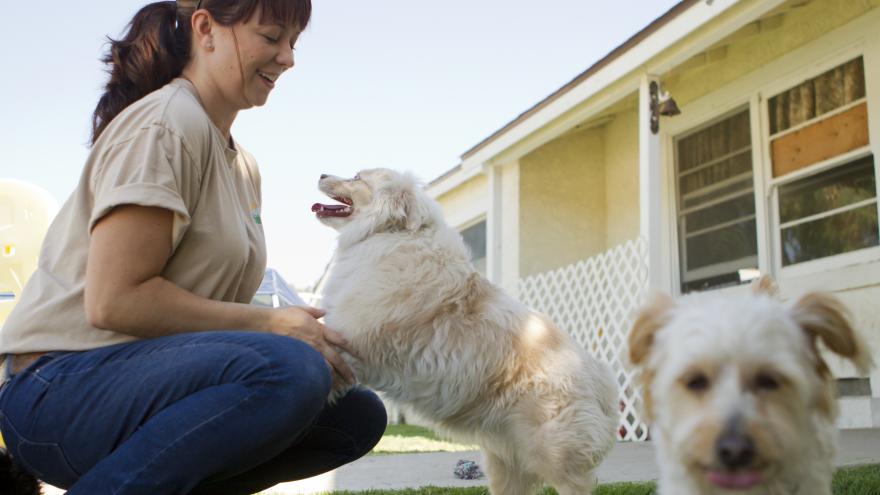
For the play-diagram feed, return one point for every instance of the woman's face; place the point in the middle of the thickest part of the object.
(266, 51)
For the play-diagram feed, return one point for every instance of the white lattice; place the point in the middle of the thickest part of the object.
(594, 300)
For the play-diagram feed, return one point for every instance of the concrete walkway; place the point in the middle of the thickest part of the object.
(627, 462)
(631, 461)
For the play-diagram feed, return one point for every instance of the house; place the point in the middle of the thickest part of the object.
(600, 193)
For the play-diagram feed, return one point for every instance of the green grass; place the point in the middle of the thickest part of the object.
(863, 480)
(409, 439)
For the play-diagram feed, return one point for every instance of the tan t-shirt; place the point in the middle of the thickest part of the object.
(161, 151)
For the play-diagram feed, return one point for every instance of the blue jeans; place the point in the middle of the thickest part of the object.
(198, 413)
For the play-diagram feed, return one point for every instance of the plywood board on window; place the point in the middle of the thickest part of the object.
(825, 139)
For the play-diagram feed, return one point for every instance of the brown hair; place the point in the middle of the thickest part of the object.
(156, 47)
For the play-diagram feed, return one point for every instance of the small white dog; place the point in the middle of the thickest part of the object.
(740, 398)
(437, 337)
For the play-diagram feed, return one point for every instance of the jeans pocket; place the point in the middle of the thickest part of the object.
(45, 460)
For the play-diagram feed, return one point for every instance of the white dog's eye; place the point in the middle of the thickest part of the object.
(698, 382)
(765, 381)
(356, 177)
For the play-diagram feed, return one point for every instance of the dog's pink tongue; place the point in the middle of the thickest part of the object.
(319, 207)
(331, 210)
(739, 480)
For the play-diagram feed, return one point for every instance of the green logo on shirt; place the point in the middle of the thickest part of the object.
(255, 213)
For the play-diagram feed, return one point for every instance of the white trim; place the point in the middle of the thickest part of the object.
(650, 187)
(510, 184)
(470, 223)
(494, 222)
(716, 269)
(757, 122)
(646, 54)
(450, 182)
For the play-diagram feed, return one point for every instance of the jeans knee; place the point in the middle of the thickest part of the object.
(298, 370)
(371, 417)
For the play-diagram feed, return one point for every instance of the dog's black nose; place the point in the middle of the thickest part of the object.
(324, 176)
(735, 450)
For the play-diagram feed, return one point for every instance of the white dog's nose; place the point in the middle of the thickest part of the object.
(324, 176)
(735, 450)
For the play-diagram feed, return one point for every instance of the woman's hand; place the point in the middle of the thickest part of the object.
(302, 323)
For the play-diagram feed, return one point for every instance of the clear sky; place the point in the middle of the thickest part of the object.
(406, 84)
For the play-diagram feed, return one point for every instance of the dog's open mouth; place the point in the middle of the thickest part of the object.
(342, 210)
(734, 480)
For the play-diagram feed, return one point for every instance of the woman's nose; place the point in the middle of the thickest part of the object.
(285, 58)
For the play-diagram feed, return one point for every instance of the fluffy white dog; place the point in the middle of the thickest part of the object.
(437, 337)
(740, 398)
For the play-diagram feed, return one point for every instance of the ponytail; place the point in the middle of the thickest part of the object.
(152, 52)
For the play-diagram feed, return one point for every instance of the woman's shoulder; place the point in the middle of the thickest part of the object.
(174, 107)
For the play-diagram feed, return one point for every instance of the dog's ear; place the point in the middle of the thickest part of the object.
(765, 285)
(403, 205)
(650, 318)
(824, 317)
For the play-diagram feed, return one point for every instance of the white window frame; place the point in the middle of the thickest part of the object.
(838, 272)
(829, 264)
(744, 104)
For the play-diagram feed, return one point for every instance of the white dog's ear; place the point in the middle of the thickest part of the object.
(765, 285)
(824, 317)
(403, 205)
(651, 317)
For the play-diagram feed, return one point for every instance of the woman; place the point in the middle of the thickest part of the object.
(134, 363)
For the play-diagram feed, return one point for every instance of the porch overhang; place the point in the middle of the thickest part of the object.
(684, 31)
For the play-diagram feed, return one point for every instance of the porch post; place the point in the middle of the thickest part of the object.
(494, 222)
(510, 228)
(650, 188)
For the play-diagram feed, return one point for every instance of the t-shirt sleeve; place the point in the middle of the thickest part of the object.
(152, 168)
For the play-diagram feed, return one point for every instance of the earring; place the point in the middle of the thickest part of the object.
(209, 44)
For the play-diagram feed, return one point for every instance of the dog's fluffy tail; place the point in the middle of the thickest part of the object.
(14, 480)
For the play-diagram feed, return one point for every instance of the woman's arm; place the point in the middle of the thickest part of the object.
(125, 293)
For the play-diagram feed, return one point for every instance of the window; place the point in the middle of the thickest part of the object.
(822, 166)
(717, 235)
(475, 238)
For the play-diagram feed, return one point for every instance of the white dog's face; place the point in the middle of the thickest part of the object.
(374, 201)
(731, 384)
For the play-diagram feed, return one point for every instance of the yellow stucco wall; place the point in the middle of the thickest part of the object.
(562, 202)
(622, 178)
(759, 43)
(465, 203)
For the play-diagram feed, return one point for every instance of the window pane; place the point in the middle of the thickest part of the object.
(475, 238)
(740, 185)
(730, 243)
(846, 231)
(832, 189)
(726, 211)
(839, 86)
(731, 167)
(725, 137)
(712, 163)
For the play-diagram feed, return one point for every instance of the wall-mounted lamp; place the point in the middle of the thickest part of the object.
(661, 104)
